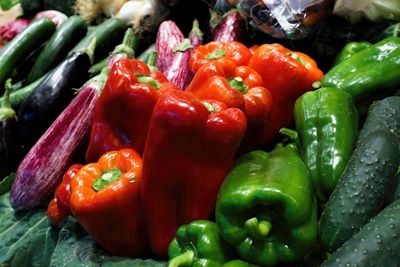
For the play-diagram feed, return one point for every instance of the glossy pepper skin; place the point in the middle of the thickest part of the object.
(105, 200)
(266, 208)
(189, 150)
(233, 52)
(350, 50)
(287, 75)
(58, 208)
(123, 111)
(373, 69)
(199, 244)
(240, 87)
(327, 124)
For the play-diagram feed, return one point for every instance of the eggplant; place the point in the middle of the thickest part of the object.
(169, 36)
(52, 95)
(230, 28)
(44, 165)
(8, 127)
(179, 72)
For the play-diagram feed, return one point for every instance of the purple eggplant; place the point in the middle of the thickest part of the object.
(179, 72)
(169, 36)
(44, 165)
(230, 28)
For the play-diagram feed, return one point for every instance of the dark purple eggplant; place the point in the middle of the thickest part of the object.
(8, 128)
(44, 165)
(230, 28)
(52, 95)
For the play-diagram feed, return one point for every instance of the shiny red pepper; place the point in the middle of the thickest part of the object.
(190, 149)
(124, 108)
(239, 87)
(235, 52)
(58, 208)
(287, 74)
(105, 200)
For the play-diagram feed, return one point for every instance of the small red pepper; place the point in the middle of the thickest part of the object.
(58, 208)
(235, 52)
(239, 87)
(124, 108)
(190, 149)
(287, 74)
(106, 202)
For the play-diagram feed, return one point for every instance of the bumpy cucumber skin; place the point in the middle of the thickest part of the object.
(360, 192)
(383, 114)
(375, 245)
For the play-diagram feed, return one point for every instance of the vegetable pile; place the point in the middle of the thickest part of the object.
(131, 136)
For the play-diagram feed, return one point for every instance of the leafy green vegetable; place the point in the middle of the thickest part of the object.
(25, 239)
(6, 183)
(7, 4)
(76, 248)
(28, 239)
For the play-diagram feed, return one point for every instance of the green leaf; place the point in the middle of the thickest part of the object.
(26, 239)
(76, 248)
(7, 4)
(6, 184)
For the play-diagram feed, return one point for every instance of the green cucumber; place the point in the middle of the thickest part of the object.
(23, 44)
(67, 35)
(108, 34)
(376, 244)
(360, 192)
(383, 114)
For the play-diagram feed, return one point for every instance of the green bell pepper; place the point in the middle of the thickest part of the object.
(199, 244)
(266, 209)
(375, 68)
(327, 124)
(350, 50)
(238, 263)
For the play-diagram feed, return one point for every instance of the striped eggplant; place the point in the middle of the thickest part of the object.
(44, 165)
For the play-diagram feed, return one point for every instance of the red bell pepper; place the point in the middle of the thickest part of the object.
(189, 150)
(287, 75)
(239, 87)
(233, 51)
(106, 202)
(58, 208)
(124, 108)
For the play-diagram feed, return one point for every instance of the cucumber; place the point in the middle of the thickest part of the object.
(376, 244)
(383, 114)
(62, 41)
(360, 192)
(23, 44)
(108, 34)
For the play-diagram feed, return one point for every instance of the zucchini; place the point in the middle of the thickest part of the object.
(376, 244)
(63, 40)
(108, 34)
(23, 44)
(360, 192)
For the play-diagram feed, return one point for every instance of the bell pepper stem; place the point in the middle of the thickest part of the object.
(258, 229)
(185, 259)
